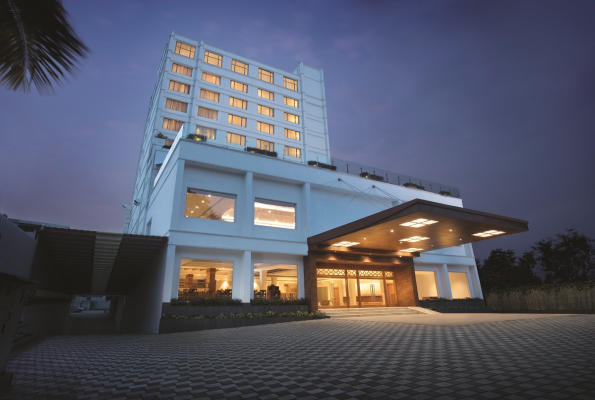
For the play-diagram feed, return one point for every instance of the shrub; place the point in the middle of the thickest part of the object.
(322, 165)
(264, 302)
(198, 138)
(414, 186)
(207, 301)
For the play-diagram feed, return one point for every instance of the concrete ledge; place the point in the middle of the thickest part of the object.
(422, 310)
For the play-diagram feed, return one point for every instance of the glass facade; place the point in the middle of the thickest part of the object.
(205, 278)
(210, 205)
(276, 214)
(355, 288)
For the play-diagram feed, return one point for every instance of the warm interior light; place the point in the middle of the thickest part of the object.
(418, 223)
(413, 239)
(411, 250)
(274, 207)
(488, 233)
(345, 244)
(391, 230)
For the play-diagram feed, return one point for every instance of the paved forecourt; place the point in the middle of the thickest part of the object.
(547, 358)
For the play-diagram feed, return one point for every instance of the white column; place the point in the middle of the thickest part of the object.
(171, 278)
(263, 279)
(247, 220)
(445, 289)
(247, 281)
(306, 219)
(474, 281)
(300, 277)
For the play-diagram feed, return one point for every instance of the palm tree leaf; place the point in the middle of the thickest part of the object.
(37, 45)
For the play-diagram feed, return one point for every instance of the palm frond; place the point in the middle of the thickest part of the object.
(38, 47)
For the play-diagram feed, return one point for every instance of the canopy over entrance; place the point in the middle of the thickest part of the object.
(414, 227)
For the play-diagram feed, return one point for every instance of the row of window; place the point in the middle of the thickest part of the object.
(217, 206)
(236, 66)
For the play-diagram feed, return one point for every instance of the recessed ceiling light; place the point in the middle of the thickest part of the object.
(412, 249)
(364, 238)
(345, 244)
(413, 239)
(488, 233)
(391, 230)
(450, 230)
(418, 223)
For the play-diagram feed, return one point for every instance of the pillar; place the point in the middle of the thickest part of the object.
(212, 279)
(445, 290)
(406, 285)
(263, 279)
(171, 277)
(300, 278)
(247, 277)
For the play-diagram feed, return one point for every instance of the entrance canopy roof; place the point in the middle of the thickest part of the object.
(417, 226)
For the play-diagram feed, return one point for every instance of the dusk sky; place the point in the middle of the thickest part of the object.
(496, 98)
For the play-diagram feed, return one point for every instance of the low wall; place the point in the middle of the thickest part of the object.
(452, 303)
(217, 310)
(556, 299)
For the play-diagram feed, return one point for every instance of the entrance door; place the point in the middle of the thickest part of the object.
(392, 294)
(372, 293)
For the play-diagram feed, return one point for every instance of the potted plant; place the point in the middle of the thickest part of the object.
(322, 165)
(198, 138)
(414, 186)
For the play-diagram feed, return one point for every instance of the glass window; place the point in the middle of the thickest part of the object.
(208, 132)
(278, 283)
(274, 213)
(207, 113)
(208, 95)
(172, 124)
(289, 83)
(234, 138)
(292, 152)
(264, 145)
(211, 78)
(210, 205)
(238, 103)
(204, 278)
(265, 75)
(267, 128)
(291, 134)
(331, 292)
(176, 105)
(264, 110)
(265, 94)
(185, 49)
(292, 118)
(427, 287)
(179, 87)
(239, 67)
(213, 59)
(180, 69)
(459, 285)
(241, 87)
(236, 120)
(288, 101)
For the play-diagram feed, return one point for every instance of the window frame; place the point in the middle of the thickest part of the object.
(206, 134)
(173, 65)
(271, 109)
(242, 139)
(180, 44)
(208, 109)
(171, 81)
(276, 203)
(230, 118)
(169, 101)
(294, 82)
(259, 141)
(243, 66)
(173, 120)
(294, 115)
(272, 97)
(217, 57)
(259, 125)
(297, 102)
(215, 76)
(217, 95)
(192, 190)
(232, 82)
(244, 103)
(260, 74)
(292, 138)
(298, 151)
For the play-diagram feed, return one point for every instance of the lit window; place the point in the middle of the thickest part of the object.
(172, 124)
(180, 69)
(234, 138)
(292, 152)
(268, 111)
(207, 113)
(267, 128)
(292, 118)
(209, 133)
(239, 67)
(418, 223)
(240, 87)
(265, 94)
(274, 213)
(179, 87)
(414, 239)
(238, 103)
(289, 83)
(211, 78)
(210, 205)
(236, 120)
(185, 50)
(208, 95)
(288, 101)
(213, 59)
(264, 145)
(265, 75)
(291, 134)
(176, 105)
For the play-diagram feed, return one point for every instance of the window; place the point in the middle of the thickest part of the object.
(265, 75)
(459, 285)
(289, 83)
(264, 145)
(274, 213)
(211, 78)
(185, 50)
(267, 128)
(180, 69)
(291, 134)
(292, 152)
(179, 87)
(239, 67)
(210, 205)
(208, 278)
(265, 94)
(176, 105)
(238, 103)
(208, 132)
(172, 124)
(426, 284)
(288, 101)
(213, 59)
(235, 120)
(241, 87)
(234, 138)
(265, 110)
(292, 118)
(207, 113)
(208, 95)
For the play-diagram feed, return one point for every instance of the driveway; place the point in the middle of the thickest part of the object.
(548, 358)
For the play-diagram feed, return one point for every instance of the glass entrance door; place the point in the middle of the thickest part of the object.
(372, 293)
(353, 288)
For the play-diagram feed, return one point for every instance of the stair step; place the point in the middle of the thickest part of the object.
(368, 312)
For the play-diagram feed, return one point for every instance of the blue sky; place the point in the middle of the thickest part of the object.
(496, 98)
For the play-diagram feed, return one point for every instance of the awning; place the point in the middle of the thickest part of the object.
(417, 226)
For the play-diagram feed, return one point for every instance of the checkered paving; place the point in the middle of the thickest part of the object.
(547, 358)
